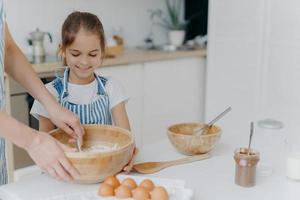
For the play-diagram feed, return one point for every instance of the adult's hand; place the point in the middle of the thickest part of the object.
(66, 120)
(48, 154)
(46, 151)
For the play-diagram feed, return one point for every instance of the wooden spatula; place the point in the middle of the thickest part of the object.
(152, 167)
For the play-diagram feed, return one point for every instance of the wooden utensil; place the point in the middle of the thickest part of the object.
(152, 167)
(95, 166)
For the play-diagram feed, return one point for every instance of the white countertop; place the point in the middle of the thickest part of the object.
(130, 56)
(211, 179)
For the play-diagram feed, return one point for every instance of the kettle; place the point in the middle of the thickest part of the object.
(37, 42)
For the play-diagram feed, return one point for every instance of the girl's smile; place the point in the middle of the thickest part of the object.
(84, 69)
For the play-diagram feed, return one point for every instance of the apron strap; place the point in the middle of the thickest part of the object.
(61, 85)
(101, 84)
(65, 83)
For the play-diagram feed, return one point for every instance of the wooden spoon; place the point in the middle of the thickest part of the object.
(152, 167)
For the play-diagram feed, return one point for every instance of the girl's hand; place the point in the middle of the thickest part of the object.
(67, 121)
(48, 154)
(129, 166)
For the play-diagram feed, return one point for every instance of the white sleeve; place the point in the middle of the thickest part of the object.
(115, 92)
(38, 109)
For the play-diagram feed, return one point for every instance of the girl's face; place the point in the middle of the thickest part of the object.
(83, 56)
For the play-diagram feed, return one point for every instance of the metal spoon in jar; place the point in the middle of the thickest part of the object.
(202, 130)
(250, 139)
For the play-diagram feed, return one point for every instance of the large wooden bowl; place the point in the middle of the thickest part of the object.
(95, 166)
(182, 138)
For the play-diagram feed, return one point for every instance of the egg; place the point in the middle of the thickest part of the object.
(140, 193)
(113, 181)
(123, 192)
(106, 190)
(148, 184)
(129, 182)
(159, 193)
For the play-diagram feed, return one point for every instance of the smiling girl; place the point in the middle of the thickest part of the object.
(95, 99)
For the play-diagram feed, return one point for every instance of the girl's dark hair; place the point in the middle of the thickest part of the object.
(85, 20)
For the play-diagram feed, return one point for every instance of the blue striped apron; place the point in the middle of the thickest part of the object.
(96, 112)
(3, 167)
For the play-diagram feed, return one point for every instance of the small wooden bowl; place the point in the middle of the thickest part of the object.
(94, 167)
(182, 138)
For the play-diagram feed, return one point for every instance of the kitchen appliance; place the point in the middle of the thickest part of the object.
(37, 42)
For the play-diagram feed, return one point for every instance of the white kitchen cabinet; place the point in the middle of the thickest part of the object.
(173, 93)
(131, 77)
(161, 93)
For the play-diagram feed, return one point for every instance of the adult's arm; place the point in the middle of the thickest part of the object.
(18, 67)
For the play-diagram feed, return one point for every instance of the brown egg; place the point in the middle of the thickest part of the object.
(159, 193)
(148, 184)
(113, 181)
(123, 192)
(140, 193)
(106, 190)
(129, 182)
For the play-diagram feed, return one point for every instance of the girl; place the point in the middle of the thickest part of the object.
(95, 99)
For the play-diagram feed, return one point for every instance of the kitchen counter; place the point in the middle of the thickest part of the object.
(130, 56)
(211, 179)
(134, 70)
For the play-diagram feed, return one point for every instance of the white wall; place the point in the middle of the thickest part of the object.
(253, 65)
(234, 63)
(130, 17)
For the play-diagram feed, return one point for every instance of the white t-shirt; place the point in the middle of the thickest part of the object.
(84, 94)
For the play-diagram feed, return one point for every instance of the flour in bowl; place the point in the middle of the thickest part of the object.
(99, 148)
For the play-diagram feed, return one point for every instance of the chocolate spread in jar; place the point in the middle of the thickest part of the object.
(245, 168)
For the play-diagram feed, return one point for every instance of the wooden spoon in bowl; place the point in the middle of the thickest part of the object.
(152, 167)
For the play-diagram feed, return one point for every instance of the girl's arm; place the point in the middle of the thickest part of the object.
(45, 124)
(120, 117)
